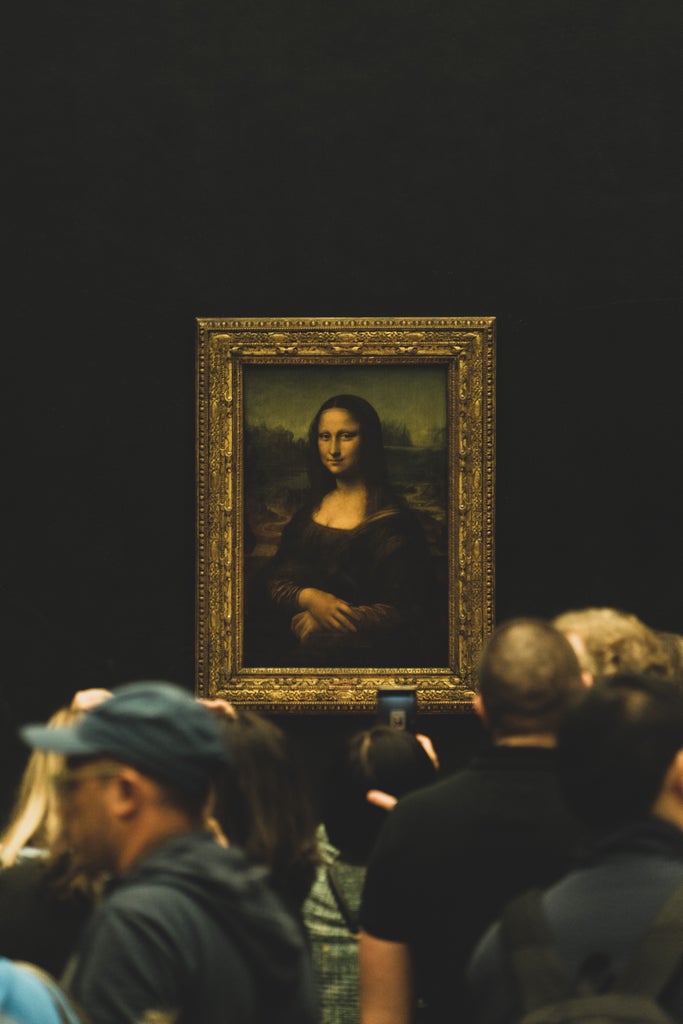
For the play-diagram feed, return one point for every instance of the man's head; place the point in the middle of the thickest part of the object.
(609, 641)
(528, 674)
(139, 766)
(620, 751)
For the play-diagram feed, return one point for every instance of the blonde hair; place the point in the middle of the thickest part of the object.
(35, 818)
(615, 642)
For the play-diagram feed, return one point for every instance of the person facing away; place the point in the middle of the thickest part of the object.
(608, 641)
(451, 855)
(45, 895)
(620, 768)
(393, 762)
(265, 806)
(352, 583)
(187, 932)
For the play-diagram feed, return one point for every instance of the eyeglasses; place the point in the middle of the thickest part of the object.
(68, 780)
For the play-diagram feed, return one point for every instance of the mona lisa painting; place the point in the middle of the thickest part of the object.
(345, 509)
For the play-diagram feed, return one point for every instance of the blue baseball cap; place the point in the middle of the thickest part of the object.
(157, 727)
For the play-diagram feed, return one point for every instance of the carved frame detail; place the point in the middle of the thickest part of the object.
(465, 346)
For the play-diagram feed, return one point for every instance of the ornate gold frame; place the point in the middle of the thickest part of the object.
(465, 346)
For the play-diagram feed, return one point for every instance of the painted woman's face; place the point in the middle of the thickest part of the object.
(339, 442)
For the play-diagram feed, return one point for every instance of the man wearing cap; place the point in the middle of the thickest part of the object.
(450, 855)
(187, 932)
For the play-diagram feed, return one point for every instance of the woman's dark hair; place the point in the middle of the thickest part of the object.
(372, 458)
(264, 805)
(392, 760)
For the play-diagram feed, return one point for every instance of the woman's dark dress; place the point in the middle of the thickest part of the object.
(383, 567)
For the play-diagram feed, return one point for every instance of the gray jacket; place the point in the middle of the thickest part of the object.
(197, 936)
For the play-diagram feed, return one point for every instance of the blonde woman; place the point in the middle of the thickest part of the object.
(33, 827)
(45, 899)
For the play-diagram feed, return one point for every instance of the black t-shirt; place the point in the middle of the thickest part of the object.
(451, 855)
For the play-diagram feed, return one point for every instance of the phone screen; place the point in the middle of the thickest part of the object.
(397, 707)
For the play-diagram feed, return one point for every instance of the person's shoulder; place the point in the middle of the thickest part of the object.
(191, 883)
(26, 989)
(191, 861)
(392, 520)
(141, 899)
(429, 806)
(439, 810)
(397, 521)
(145, 922)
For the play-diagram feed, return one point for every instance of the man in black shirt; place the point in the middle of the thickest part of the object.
(451, 855)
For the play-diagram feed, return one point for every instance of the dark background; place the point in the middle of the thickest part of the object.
(391, 157)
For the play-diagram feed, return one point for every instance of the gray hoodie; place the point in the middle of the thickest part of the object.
(195, 935)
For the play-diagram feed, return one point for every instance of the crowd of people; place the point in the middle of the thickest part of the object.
(166, 861)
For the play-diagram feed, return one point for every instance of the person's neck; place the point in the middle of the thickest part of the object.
(534, 739)
(141, 842)
(354, 488)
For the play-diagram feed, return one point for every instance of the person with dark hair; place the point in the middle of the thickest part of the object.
(265, 806)
(620, 769)
(393, 762)
(189, 931)
(451, 855)
(352, 583)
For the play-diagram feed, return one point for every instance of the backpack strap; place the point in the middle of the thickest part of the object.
(351, 920)
(540, 975)
(659, 951)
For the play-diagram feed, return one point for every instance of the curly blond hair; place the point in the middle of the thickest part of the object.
(611, 642)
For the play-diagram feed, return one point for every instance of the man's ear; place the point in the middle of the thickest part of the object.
(480, 710)
(128, 792)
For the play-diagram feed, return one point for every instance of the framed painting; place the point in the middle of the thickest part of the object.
(345, 509)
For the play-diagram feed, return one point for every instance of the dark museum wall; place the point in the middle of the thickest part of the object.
(198, 158)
